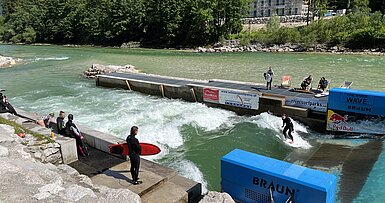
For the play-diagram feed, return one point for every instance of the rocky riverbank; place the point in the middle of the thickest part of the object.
(7, 62)
(234, 46)
(97, 69)
(25, 179)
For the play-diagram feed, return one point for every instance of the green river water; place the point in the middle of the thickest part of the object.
(192, 136)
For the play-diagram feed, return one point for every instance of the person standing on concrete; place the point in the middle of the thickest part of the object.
(134, 152)
(287, 126)
(269, 78)
(61, 128)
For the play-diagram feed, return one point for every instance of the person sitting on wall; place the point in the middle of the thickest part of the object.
(45, 121)
(306, 83)
(74, 132)
(322, 84)
(61, 127)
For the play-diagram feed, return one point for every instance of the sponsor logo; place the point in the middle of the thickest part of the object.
(336, 118)
(275, 187)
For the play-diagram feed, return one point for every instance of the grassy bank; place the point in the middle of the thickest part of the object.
(20, 129)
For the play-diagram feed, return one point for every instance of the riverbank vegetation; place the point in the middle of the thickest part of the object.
(188, 23)
(361, 28)
(155, 23)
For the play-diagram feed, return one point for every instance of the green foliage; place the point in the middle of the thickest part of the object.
(159, 23)
(357, 30)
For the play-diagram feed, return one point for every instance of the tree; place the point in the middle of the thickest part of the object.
(360, 6)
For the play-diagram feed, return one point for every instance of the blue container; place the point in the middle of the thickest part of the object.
(357, 101)
(247, 177)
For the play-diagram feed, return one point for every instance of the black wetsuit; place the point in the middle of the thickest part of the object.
(288, 127)
(61, 128)
(134, 152)
(3, 106)
(81, 146)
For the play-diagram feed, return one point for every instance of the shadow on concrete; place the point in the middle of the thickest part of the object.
(96, 163)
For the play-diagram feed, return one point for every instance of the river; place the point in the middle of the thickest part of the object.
(192, 136)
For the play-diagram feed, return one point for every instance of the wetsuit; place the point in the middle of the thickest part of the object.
(61, 128)
(3, 106)
(269, 79)
(74, 132)
(134, 152)
(323, 84)
(288, 127)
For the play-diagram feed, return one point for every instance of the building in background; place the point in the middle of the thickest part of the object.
(267, 8)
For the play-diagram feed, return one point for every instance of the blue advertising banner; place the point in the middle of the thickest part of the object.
(357, 101)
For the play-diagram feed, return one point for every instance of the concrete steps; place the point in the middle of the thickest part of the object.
(167, 192)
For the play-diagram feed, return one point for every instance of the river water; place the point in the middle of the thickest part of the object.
(192, 136)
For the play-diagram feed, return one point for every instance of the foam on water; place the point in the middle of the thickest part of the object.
(274, 123)
(52, 59)
(159, 120)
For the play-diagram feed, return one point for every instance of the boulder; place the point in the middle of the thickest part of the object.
(97, 69)
(3, 151)
(217, 197)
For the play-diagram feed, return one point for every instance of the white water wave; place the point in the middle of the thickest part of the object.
(274, 123)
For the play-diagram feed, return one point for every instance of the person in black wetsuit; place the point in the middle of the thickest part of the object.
(61, 128)
(134, 152)
(3, 106)
(287, 126)
(74, 132)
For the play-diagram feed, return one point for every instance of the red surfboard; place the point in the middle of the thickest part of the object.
(147, 149)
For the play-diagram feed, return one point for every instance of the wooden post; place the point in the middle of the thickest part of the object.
(128, 85)
(193, 94)
(162, 90)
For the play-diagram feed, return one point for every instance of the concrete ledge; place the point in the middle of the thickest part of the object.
(98, 139)
(295, 111)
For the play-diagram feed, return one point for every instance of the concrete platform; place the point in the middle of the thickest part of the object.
(160, 184)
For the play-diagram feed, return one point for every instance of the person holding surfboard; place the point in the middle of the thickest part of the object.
(133, 154)
(287, 126)
(269, 77)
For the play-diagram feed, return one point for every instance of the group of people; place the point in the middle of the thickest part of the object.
(69, 129)
(305, 84)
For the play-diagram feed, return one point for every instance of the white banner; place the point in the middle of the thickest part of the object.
(307, 103)
(239, 99)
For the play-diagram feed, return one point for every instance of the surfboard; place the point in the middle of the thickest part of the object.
(324, 94)
(122, 149)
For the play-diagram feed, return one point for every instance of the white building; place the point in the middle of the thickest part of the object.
(267, 8)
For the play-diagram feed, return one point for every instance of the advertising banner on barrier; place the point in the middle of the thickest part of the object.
(356, 111)
(231, 98)
(307, 103)
(357, 101)
(239, 99)
(342, 121)
(210, 95)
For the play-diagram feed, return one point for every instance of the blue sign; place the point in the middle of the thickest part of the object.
(251, 178)
(357, 101)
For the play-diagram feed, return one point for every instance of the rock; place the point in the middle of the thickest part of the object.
(68, 169)
(75, 192)
(50, 151)
(85, 180)
(53, 158)
(6, 133)
(39, 156)
(6, 62)
(3, 151)
(97, 69)
(119, 195)
(217, 197)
